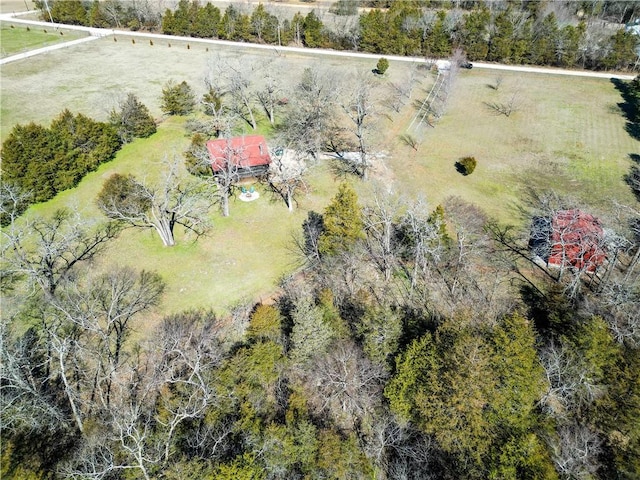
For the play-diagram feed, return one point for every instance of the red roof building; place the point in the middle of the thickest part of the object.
(246, 156)
(577, 240)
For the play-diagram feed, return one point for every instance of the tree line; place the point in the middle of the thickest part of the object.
(39, 162)
(563, 34)
(405, 347)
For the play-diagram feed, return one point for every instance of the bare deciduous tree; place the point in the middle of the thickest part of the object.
(173, 201)
(286, 174)
(576, 450)
(46, 251)
(380, 222)
(307, 122)
(189, 351)
(359, 107)
(345, 384)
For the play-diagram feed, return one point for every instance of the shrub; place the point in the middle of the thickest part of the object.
(382, 66)
(466, 165)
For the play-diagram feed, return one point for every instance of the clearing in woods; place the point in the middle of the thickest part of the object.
(567, 133)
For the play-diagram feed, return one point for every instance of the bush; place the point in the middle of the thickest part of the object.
(466, 165)
(382, 66)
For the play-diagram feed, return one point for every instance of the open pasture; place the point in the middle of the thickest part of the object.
(18, 38)
(566, 133)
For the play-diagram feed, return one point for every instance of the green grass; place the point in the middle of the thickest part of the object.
(565, 136)
(242, 257)
(568, 134)
(16, 38)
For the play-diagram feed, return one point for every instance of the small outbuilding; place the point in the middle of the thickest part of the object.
(246, 156)
(576, 240)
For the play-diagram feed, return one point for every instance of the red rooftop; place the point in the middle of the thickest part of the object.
(248, 154)
(577, 240)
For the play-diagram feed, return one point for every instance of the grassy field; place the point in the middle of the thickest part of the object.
(567, 134)
(16, 38)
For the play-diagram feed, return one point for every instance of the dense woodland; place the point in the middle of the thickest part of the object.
(414, 343)
(564, 34)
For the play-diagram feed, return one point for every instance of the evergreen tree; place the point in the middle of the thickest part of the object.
(623, 52)
(96, 17)
(501, 41)
(544, 45)
(69, 11)
(475, 33)
(177, 99)
(133, 120)
(343, 224)
(374, 34)
(206, 22)
(312, 31)
(438, 43)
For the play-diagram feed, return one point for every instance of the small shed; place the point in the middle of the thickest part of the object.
(246, 156)
(576, 240)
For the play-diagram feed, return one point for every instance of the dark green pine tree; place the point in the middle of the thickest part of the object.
(177, 99)
(343, 224)
(374, 34)
(475, 32)
(544, 47)
(206, 22)
(312, 31)
(133, 120)
(501, 41)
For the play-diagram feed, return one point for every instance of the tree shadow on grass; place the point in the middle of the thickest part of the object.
(629, 108)
(633, 177)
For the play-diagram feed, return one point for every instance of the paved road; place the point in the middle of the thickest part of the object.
(103, 32)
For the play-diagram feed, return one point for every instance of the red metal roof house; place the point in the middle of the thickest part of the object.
(246, 156)
(577, 240)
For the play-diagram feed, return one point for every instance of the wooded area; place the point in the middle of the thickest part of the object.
(415, 343)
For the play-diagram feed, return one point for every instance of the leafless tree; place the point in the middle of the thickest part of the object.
(359, 107)
(26, 404)
(46, 250)
(576, 450)
(234, 78)
(508, 107)
(572, 386)
(310, 334)
(268, 96)
(307, 122)
(286, 174)
(227, 172)
(345, 384)
(380, 220)
(13, 201)
(189, 351)
(172, 201)
(102, 308)
(424, 245)
(402, 91)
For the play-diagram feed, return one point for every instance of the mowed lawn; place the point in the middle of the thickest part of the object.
(567, 134)
(17, 38)
(240, 260)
